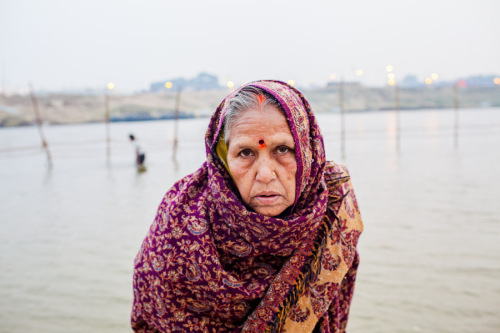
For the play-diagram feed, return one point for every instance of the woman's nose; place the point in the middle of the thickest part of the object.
(265, 171)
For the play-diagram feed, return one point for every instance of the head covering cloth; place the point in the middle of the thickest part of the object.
(210, 264)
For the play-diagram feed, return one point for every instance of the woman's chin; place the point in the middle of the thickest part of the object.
(270, 210)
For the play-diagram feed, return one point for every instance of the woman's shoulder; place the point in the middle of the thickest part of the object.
(337, 175)
(341, 198)
(181, 200)
(336, 169)
(191, 182)
(185, 193)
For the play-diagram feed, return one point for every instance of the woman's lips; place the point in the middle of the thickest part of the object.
(267, 198)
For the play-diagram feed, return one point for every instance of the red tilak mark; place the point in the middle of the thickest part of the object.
(262, 144)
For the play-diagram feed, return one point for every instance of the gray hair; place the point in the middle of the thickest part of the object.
(246, 99)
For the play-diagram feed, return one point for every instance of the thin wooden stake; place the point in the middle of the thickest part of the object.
(342, 119)
(176, 120)
(39, 122)
(397, 108)
(108, 129)
(456, 105)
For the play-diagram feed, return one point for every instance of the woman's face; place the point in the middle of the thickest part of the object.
(261, 158)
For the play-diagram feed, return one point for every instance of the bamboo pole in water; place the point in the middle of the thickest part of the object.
(39, 122)
(342, 119)
(107, 124)
(176, 120)
(456, 105)
(397, 108)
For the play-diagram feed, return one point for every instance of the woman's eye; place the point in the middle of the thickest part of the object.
(283, 150)
(245, 153)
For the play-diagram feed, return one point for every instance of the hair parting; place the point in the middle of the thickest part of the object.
(247, 98)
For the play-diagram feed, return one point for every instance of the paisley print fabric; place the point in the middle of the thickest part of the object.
(209, 264)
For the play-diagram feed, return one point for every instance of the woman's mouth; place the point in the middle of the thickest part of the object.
(267, 198)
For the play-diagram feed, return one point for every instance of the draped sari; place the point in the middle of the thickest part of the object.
(210, 264)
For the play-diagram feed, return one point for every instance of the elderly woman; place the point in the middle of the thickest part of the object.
(261, 238)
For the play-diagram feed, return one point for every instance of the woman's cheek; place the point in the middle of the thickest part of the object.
(238, 166)
(290, 164)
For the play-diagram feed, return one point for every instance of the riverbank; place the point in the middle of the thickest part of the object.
(17, 110)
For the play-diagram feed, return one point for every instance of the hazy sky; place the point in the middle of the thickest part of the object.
(70, 44)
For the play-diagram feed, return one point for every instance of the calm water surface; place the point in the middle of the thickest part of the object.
(430, 251)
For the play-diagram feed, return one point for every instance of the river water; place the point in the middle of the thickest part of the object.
(430, 252)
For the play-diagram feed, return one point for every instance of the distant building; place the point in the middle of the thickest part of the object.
(480, 81)
(410, 81)
(483, 81)
(202, 81)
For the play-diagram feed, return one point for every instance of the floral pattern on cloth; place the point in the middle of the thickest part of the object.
(329, 296)
(209, 264)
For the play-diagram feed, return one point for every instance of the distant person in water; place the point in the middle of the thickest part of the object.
(140, 156)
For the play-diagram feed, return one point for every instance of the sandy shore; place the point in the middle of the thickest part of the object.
(63, 109)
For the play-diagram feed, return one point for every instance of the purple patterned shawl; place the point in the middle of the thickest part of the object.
(208, 264)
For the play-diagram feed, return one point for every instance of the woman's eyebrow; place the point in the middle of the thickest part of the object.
(283, 142)
(242, 145)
